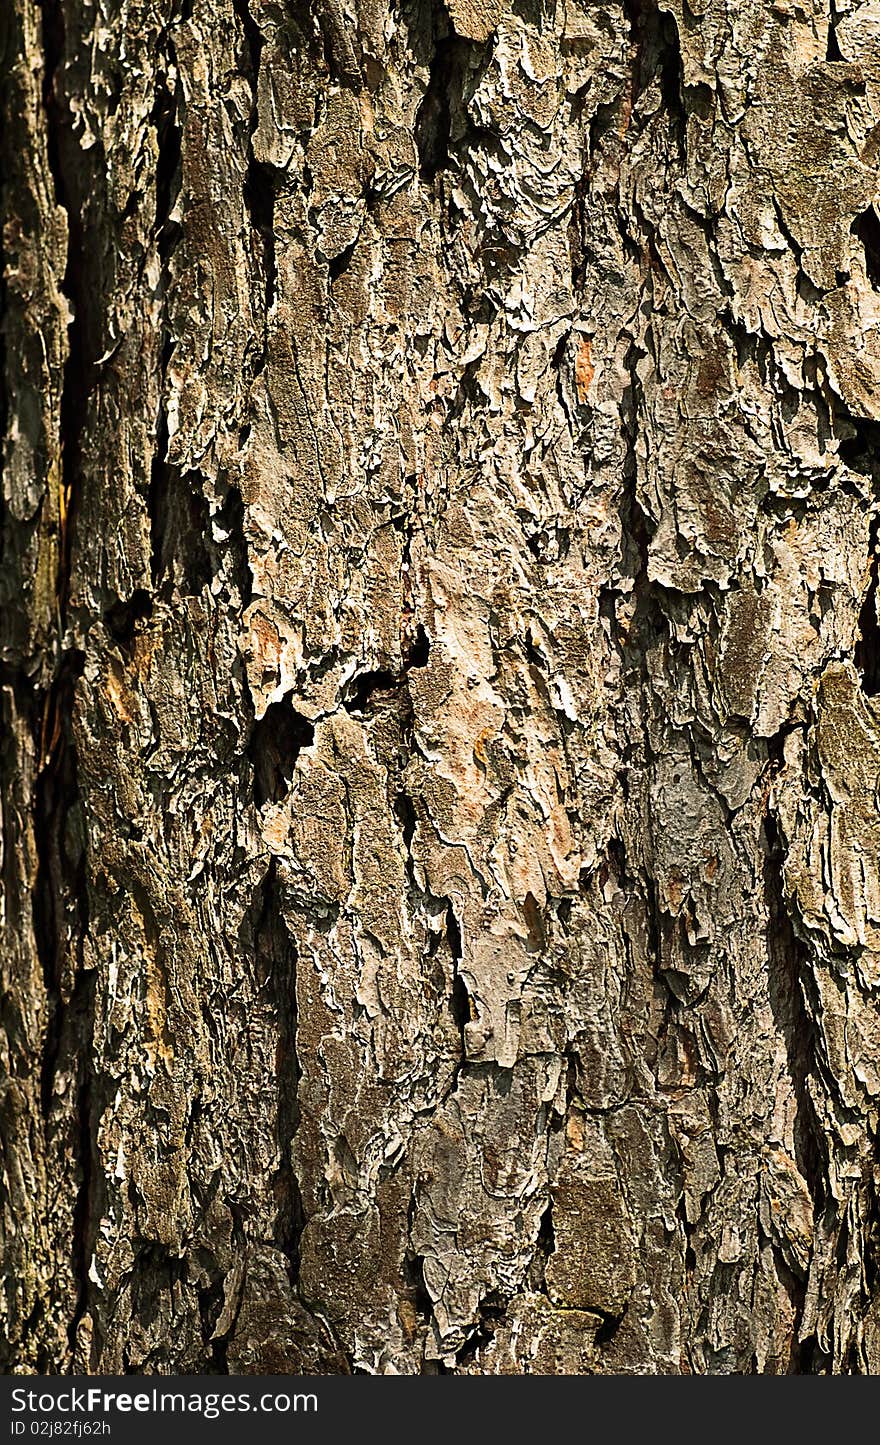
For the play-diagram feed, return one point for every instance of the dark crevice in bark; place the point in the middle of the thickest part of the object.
(866, 228)
(405, 813)
(183, 556)
(420, 649)
(361, 691)
(219, 1355)
(160, 489)
(61, 920)
(277, 740)
(611, 1323)
(259, 197)
(189, 546)
(545, 1246)
(282, 951)
(260, 184)
(441, 120)
(79, 286)
(648, 626)
(604, 125)
(340, 264)
(832, 52)
(211, 1301)
(60, 901)
(860, 450)
(230, 520)
(788, 978)
(9, 37)
(60, 893)
(164, 478)
(867, 657)
(546, 1240)
(657, 56)
(169, 140)
(415, 643)
(459, 1002)
(125, 619)
(414, 1279)
(434, 115)
(752, 347)
(275, 965)
(687, 1234)
(638, 529)
(490, 1312)
(454, 934)
(60, 908)
(86, 1206)
(366, 688)
(551, 543)
(255, 41)
(536, 932)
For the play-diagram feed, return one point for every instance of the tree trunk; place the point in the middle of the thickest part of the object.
(440, 832)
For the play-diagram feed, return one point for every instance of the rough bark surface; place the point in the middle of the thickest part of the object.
(440, 686)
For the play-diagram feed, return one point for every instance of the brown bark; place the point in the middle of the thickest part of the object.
(440, 835)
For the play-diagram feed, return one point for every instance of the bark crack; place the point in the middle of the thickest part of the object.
(867, 657)
(165, 489)
(793, 1010)
(60, 893)
(260, 183)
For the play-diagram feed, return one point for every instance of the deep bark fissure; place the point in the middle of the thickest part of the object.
(482, 1333)
(545, 1245)
(54, 792)
(866, 227)
(260, 182)
(648, 627)
(60, 899)
(125, 619)
(867, 656)
(77, 285)
(7, 97)
(60, 891)
(166, 489)
(276, 741)
(656, 52)
(81, 1015)
(860, 452)
(442, 124)
(277, 946)
(210, 1306)
(434, 117)
(269, 941)
(788, 973)
(832, 52)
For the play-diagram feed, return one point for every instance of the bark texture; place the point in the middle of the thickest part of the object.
(439, 675)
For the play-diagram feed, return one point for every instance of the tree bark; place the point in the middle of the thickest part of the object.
(440, 672)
